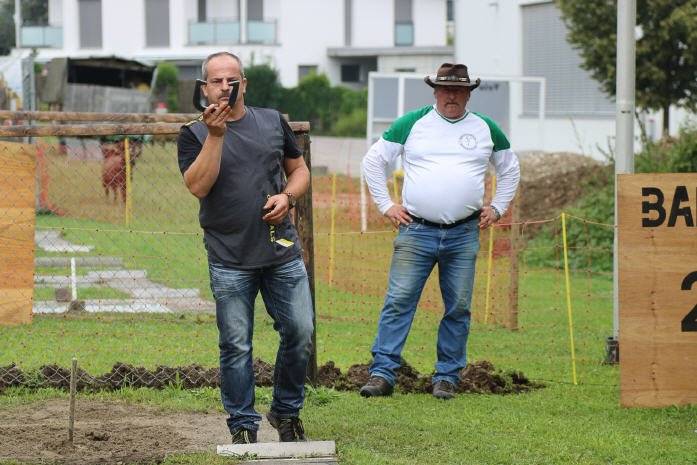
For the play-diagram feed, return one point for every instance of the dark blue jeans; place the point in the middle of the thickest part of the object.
(417, 249)
(286, 293)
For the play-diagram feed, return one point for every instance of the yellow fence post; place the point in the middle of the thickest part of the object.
(127, 159)
(395, 185)
(490, 261)
(568, 298)
(332, 232)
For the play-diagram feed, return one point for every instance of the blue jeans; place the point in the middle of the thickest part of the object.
(417, 249)
(286, 293)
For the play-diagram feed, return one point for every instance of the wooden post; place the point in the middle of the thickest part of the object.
(303, 221)
(73, 388)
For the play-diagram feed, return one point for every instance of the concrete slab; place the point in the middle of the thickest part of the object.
(56, 262)
(104, 305)
(51, 241)
(304, 461)
(280, 450)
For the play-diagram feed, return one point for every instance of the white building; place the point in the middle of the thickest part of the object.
(343, 38)
(515, 38)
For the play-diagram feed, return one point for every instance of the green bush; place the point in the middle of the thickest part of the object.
(590, 246)
(166, 85)
(263, 87)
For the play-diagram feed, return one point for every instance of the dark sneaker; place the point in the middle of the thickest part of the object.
(244, 436)
(443, 390)
(376, 386)
(289, 429)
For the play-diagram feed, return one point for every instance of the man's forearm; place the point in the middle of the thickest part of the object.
(203, 172)
(298, 181)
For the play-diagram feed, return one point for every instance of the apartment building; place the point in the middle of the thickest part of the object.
(346, 39)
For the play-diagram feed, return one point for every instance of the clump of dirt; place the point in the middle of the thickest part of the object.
(10, 376)
(542, 174)
(263, 373)
(478, 377)
(328, 374)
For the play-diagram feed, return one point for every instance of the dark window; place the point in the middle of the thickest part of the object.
(350, 73)
(201, 12)
(304, 70)
(90, 13)
(450, 15)
(157, 23)
(255, 10)
(403, 25)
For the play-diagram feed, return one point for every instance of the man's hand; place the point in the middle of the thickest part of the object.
(487, 217)
(215, 117)
(397, 214)
(276, 208)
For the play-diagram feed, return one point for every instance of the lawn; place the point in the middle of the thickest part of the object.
(560, 424)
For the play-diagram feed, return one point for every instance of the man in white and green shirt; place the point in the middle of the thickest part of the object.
(446, 151)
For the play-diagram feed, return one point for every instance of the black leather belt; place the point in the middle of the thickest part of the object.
(473, 216)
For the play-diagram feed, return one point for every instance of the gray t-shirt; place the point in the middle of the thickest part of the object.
(251, 169)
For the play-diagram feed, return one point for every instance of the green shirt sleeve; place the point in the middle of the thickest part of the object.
(497, 135)
(400, 129)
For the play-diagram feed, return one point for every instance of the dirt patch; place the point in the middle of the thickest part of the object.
(477, 377)
(105, 433)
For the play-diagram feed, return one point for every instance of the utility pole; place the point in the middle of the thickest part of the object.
(624, 138)
(18, 23)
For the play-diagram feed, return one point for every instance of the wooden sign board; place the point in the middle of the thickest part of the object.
(657, 221)
(17, 186)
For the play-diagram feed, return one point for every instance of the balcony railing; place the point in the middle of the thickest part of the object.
(261, 32)
(215, 32)
(42, 36)
(404, 34)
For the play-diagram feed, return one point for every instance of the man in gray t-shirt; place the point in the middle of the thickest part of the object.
(245, 167)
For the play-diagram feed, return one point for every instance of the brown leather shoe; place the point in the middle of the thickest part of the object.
(443, 390)
(376, 386)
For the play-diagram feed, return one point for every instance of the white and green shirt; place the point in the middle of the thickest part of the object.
(445, 163)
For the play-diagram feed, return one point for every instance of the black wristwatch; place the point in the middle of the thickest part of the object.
(291, 199)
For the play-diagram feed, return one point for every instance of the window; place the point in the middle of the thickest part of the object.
(304, 70)
(90, 14)
(403, 27)
(449, 15)
(201, 14)
(157, 23)
(546, 53)
(405, 70)
(255, 10)
(351, 73)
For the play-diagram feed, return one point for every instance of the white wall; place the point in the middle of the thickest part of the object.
(373, 23)
(429, 22)
(55, 12)
(306, 29)
(117, 17)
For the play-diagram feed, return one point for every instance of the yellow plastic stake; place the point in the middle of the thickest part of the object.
(127, 159)
(395, 186)
(568, 298)
(332, 235)
(490, 261)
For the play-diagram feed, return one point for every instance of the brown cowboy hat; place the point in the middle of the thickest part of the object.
(452, 75)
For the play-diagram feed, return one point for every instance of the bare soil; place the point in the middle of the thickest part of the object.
(105, 433)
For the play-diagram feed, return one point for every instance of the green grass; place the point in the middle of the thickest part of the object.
(562, 423)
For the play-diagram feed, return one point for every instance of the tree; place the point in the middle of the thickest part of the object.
(666, 57)
(34, 12)
(166, 84)
(263, 87)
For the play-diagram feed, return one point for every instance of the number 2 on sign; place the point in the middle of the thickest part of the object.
(689, 323)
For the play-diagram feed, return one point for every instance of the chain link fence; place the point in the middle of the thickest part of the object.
(117, 231)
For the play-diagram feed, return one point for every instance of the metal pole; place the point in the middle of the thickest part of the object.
(18, 24)
(624, 138)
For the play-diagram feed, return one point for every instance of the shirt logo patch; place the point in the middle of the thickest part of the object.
(468, 141)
